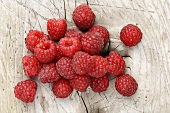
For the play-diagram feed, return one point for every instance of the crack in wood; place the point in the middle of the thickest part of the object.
(65, 12)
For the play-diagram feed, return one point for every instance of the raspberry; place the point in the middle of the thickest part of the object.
(45, 51)
(102, 30)
(92, 43)
(80, 82)
(64, 67)
(69, 46)
(116, 64)
(49, 73)
(130, 35)
(62, 88)
(83, 17)
(34, 37)
(31, 65)
(99, 84)
(82, 62)
(99, 68)
(73, 33)
(59, 54)
(126, 85)
(26, 90)
(56, 28)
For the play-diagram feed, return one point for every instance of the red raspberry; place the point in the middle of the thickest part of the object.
(69, 46)
(92, 43)
(64, 67)
(31, 65)
(46, 51)
(102, 30)
(99, 68)
(73, 33)
(100, 84)
(59, 54)
(49, 73)
(126, 85)
(62, 88)
(83, 17)
(82, 63)
(56, 28)
(80, 82)
(130, 35)
(116, 64)
(26, 90)
(34, 37)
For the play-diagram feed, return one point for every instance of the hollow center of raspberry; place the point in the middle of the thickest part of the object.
(45, 47)
(68, 43)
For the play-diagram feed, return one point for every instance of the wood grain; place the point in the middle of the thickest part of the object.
(148, 62)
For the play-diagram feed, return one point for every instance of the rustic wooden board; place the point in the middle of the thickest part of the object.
(148, 63)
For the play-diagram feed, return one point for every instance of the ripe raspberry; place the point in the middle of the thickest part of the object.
(83, 17)
(31, 65)
(64, 67)
(49, 73)
(92, 43)
(80, 82)
(62, 88)
(102, 30)
(99, 68)
(100, 84)
(130, 35)
(56, 28)
(73, 33)
(59, 54)
(45, 51)
(26, 90)
(82, 63)
(69, 46)
(126, 85)
(116, 64)
(34, 37)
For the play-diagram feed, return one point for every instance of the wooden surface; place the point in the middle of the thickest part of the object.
(148, 63)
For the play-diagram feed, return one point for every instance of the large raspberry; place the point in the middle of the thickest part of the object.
(83, 17)
(26, 90)
(31, 65)
(80, 82)
(116, 64)
(62, 88)
(64, 67)
(73, 33)
(92, 43)
(100, 84)
(130, 35)
(56, 28)
(82, 63)
(126, 85)
(102, 30)
(49, 73)
(46, 51)
(99, 67)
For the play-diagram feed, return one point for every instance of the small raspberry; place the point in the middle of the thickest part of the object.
(62, 88)
(99, 84)
(69, 46)
(64, 67)
(126, 85)
(73, 33)
(45, 51)
(31, 65)
(83, 17)
(56, 28)
(102, 30)
(59, 54)
(130, 35)
(82, 63)
(116, 64)
(80, 82)
(34, 37)
(92, 43)
(49, 73)
(99, 67)
(26, 90)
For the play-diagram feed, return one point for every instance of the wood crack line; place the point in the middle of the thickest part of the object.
(83, 102)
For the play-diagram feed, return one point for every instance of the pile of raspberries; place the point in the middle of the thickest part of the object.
(70, 59)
